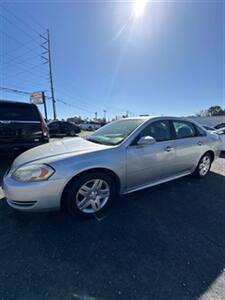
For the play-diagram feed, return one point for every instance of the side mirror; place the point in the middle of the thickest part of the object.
(220, 132)
(146, 140)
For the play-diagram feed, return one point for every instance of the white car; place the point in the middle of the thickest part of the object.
(221, 133)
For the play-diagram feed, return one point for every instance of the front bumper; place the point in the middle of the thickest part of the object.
(33, 196)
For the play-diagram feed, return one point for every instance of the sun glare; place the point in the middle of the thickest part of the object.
(139, 7)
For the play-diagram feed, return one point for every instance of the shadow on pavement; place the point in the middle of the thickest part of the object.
(165, 242)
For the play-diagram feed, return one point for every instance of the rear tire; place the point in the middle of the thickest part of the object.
(91, 194)
(204, 166)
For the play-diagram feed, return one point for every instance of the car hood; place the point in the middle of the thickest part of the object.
(73, 146)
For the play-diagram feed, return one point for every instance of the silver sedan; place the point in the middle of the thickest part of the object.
(85, 175)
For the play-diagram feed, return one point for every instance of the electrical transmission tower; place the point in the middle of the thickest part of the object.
(46, 55)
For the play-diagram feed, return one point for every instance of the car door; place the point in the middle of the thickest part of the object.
(150, 163)
(221, 133)
(54, 128)
(62, 128)
(189, 144)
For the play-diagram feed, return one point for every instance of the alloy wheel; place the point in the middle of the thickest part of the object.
(92, 196)
(204, 165)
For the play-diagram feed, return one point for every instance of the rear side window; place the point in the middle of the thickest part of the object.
(18, 113)
(66, 125)
(184, 129)
(54, 125)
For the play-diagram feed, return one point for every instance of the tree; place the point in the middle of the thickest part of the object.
(212, 111)
(216, 111)
(75, 119)
(203, 113)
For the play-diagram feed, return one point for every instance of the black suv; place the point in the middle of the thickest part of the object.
(21, 126)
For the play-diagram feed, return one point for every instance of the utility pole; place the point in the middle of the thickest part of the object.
(46, 55)
(104, 114)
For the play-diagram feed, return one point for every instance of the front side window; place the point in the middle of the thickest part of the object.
(184, 129)
(159, 130)
(200, 131)
(115, 132)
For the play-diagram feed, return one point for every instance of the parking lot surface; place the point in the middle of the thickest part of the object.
(165, 242)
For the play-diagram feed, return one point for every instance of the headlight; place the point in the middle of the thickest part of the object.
(33, 173)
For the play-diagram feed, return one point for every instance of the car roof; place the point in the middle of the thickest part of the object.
(54, 121)
(58, 121)
(16, 103)
(159, 117)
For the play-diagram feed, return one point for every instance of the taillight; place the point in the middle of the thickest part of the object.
(44, 126)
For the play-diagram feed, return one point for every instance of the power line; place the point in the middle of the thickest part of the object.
(11, 90)
(23, 45)
(14, 91)
(22, 62)
(46, 55)
(25, 68)
(72, 105)
(13, 58)
(87, 102)
(25, 71)
(21, 29)
(28, 84)
(20, 88)
(64, 92)
(27, 25)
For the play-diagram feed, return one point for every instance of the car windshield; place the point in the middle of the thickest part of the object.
(115, 132)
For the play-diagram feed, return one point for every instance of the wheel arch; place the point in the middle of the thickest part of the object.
(109, 172)
(212, 154)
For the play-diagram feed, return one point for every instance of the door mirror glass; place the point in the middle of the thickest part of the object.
(146, 140)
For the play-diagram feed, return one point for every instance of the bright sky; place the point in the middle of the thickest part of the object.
(167, 59)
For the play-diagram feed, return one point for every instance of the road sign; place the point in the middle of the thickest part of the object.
(37, 98)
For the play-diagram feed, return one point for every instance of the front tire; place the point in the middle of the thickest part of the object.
(204, 166)
(72, 133)
(90, 194)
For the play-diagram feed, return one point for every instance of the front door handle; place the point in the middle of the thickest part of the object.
(168, 149)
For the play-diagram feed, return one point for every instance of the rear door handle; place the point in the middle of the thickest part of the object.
(168, 149)
(200, 143)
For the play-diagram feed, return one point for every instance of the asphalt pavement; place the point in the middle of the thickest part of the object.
(165, 242)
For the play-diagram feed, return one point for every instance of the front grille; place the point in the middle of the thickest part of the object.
(22, 203)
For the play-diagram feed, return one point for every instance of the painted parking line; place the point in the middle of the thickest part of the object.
(1, 194)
